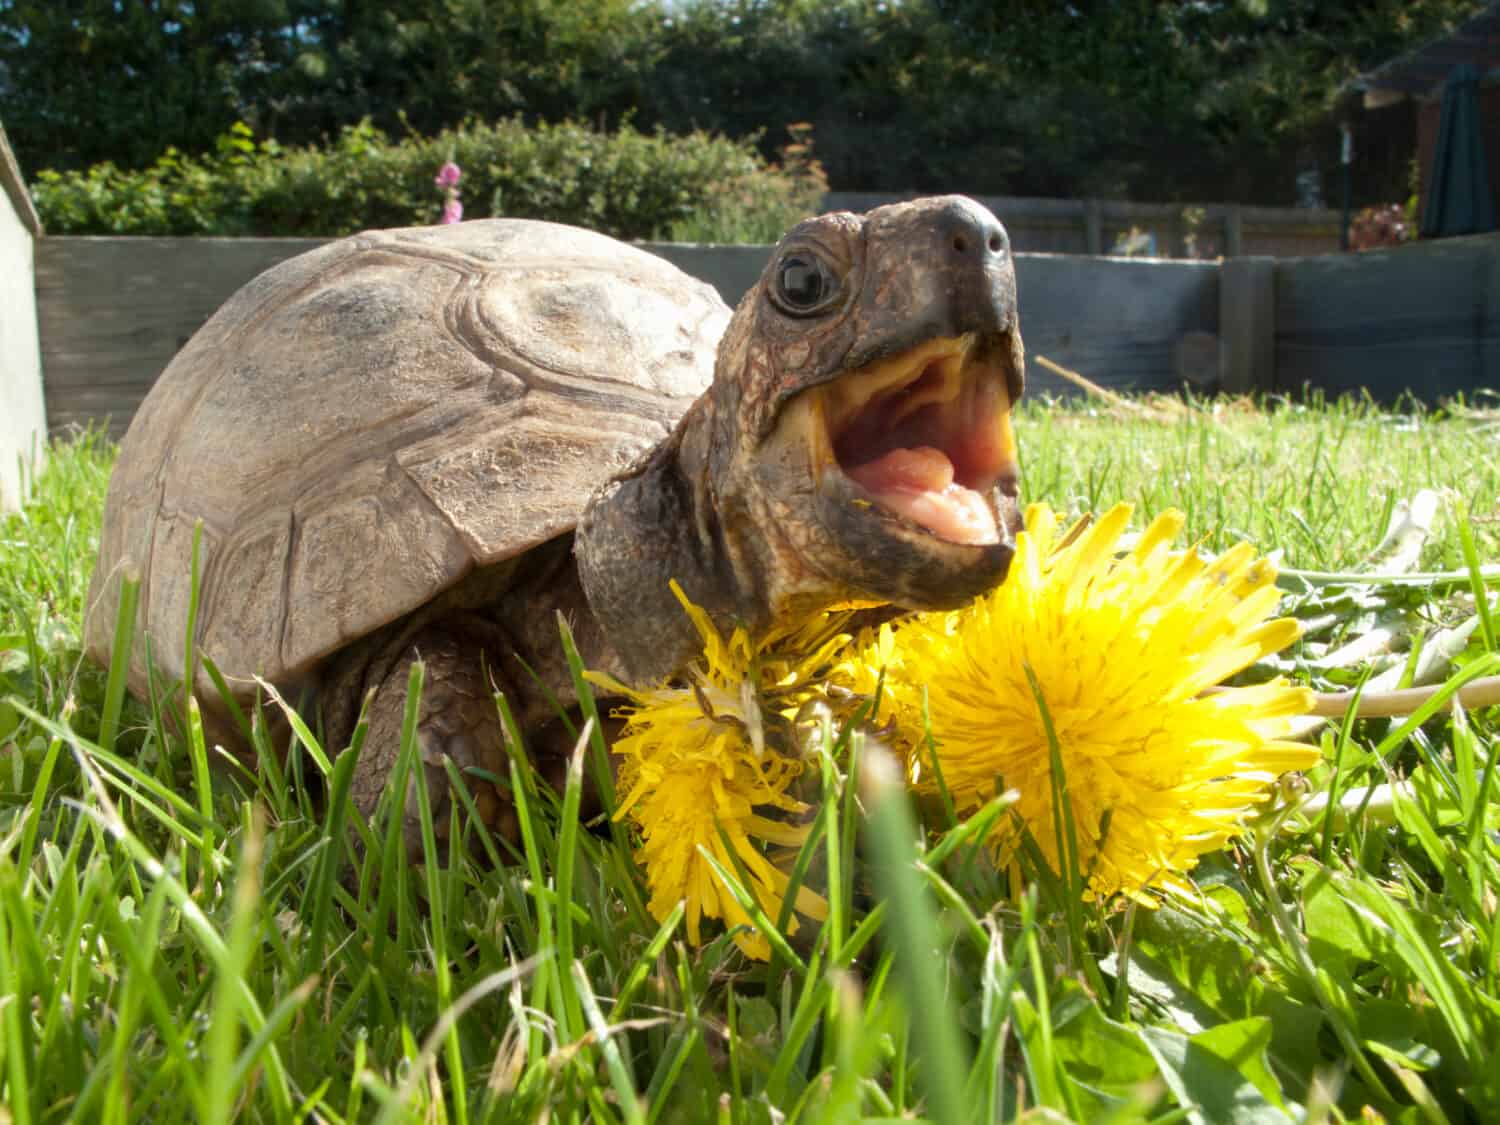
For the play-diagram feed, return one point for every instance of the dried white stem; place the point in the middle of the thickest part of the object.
(1483, 692)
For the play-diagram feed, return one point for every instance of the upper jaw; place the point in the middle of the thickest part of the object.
(922, 439)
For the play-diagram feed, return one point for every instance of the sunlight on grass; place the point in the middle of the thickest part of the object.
(186, 943)
(1315, 482)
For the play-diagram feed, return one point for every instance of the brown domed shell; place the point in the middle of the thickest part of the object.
(362, 425)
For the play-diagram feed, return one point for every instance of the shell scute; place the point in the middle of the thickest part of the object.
(364, 560)
(243, 596)
(520, 484)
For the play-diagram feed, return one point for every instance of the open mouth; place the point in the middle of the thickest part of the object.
(926, 436)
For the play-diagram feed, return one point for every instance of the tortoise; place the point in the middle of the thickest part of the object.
(426, 443)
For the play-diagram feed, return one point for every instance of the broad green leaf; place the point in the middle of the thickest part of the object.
(1107, 1060)
(1152, 981)
(1219, 1076)
(1337, 932)
(1207, 964)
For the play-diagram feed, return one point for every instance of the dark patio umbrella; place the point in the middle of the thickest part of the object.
(1459, 200)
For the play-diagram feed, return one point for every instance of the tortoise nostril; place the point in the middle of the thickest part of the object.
(976, 238)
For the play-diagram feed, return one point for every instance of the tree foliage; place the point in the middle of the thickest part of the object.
(1151, 99)
(1168, 99)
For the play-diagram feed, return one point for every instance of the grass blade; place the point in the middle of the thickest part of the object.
(916, 940)
(570, 1012)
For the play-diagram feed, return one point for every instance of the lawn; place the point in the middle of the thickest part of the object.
(185, 939)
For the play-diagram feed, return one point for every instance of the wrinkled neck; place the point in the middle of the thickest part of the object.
(664, 522)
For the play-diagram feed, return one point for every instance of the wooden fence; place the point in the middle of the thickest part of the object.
(113, 311)
(1423, 318)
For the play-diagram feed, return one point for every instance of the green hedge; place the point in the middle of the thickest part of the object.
(628, 184)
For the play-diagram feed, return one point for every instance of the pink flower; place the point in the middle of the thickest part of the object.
(448, 175)
(453, 211)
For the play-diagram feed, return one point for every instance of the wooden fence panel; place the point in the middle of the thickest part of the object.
(112, 312)
(732, 270)
(1123, 323)
(1423, 318)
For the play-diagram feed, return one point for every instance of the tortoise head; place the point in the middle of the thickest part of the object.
(863, 396)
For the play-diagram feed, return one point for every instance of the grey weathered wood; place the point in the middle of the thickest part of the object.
(113, 311)
(1093, 225)
(1247, 325)
(732, 270)
(1423, 318)
(1116, 321)
(1234, 231)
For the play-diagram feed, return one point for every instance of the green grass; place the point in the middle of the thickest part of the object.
(180, 942)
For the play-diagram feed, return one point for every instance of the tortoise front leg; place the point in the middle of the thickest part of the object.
(458, 719)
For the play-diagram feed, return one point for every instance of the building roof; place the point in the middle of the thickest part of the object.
(1420, 71)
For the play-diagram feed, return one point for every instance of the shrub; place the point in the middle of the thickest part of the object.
(628, 184)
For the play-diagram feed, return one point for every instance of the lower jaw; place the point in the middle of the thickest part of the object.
(888, 560)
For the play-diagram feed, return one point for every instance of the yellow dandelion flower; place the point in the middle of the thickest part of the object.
(1122, 648)
(715, 754)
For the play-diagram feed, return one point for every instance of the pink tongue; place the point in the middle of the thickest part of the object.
(918, 484)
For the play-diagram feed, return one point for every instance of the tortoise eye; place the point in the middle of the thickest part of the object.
(803, 284)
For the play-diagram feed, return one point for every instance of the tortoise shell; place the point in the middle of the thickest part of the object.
(361, 426)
